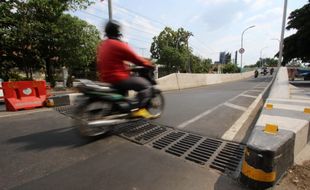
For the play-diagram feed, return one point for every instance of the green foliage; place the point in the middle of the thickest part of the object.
(170, 38)
(231, 68)
(79, 40)
(171, 50)
(36, 34)
(269, 62)
(297, 46)
(200, 65)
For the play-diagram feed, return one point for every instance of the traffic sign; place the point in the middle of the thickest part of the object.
(241, 50)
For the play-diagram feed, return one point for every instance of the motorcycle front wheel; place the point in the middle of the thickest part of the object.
(156, 104)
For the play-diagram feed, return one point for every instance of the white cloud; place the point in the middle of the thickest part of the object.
(216, 2)
(260, 4)
(267, 16)
(194, 18)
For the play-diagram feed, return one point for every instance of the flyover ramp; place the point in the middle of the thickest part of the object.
(41, 149)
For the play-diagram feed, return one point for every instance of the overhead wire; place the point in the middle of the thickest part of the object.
(134, 13)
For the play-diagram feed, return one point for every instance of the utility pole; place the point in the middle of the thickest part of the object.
(190, 56)
(282, 34)
(236, 57)
(189, 61)
(110, 9)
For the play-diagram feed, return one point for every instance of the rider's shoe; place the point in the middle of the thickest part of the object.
(142, 112)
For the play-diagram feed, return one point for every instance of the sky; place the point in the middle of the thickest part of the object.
(217, 25)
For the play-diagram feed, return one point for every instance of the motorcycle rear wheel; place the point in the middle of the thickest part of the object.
(92, 111)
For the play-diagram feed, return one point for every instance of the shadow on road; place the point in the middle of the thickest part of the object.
(64, 137)
(224, 183)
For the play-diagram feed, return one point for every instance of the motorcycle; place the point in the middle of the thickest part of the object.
(256, 73)
(103, 107)
(271, 71)
(264, 71)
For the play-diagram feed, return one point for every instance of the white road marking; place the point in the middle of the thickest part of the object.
(234, 129)
(234, 106)
(249, 96)
(207, 112)
(232, 132)
(186, 123)
(255, 90)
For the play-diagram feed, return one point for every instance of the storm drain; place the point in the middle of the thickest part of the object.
(141, 131)
(217, 154)
(228, 158)
(214, 153)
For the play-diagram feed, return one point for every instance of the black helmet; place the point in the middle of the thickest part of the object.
(112, 29)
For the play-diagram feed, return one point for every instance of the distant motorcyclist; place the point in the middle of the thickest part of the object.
(112, 54)
(264, 71)
(256, 73)
(271, 70)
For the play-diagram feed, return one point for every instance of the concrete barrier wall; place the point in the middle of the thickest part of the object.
(186, 80)
(280, 133)
(174, 81)
(280, 88)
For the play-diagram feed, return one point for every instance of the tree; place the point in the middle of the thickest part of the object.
(171, 49)
(269, 62)
(36, 34)
(297, 46)
(231, 68)
(8, 25)
(77, 46)
(200, 65)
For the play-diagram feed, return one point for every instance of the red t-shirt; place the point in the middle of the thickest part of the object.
(111, 55)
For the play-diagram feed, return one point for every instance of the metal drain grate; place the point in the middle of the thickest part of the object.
(141, 131)
(203, 152)
(217, 154)
(228, 159)
(168, 139)
(183, 145)
(214, 153)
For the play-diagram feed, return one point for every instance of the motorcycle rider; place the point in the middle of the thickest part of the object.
(111, 56)
(256, 73)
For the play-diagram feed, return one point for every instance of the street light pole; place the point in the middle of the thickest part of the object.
(242, 43)
(261, 54)
(282, 34)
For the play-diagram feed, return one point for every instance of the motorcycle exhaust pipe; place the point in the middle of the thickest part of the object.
(102, 123)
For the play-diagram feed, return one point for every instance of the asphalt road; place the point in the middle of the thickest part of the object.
(40, 149)
(210, 111)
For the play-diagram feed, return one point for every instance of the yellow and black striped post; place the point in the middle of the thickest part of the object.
(269, 153)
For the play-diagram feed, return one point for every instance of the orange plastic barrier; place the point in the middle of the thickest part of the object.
(24, 94)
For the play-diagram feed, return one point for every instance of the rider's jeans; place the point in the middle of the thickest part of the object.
(138, 84)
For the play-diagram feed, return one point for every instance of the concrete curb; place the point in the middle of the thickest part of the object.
(64, 99)
(280, 133)
(247, 119)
